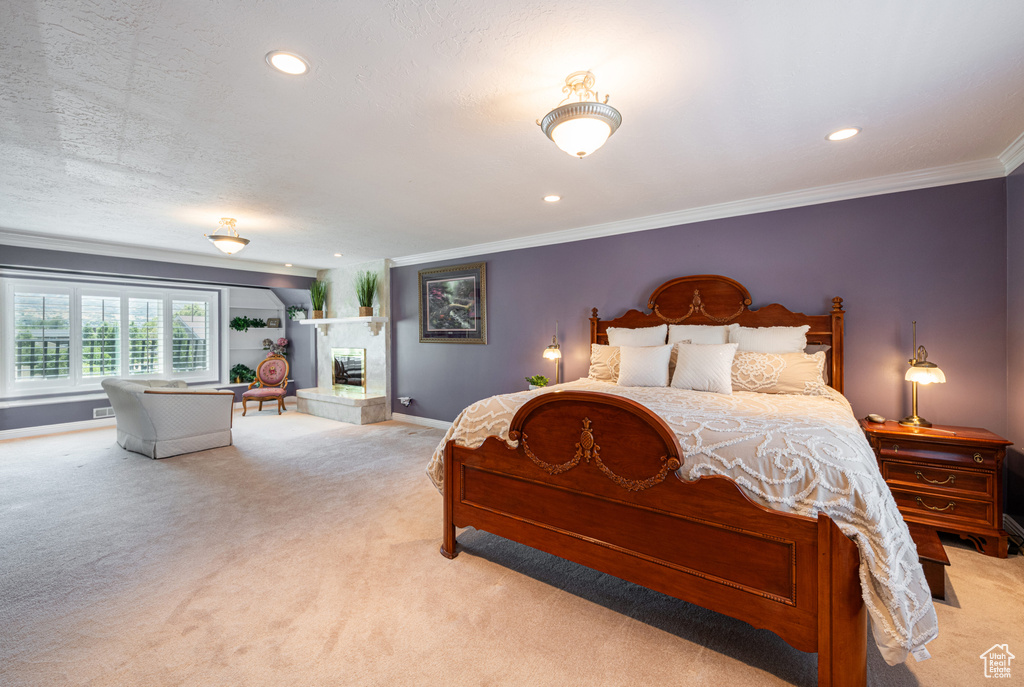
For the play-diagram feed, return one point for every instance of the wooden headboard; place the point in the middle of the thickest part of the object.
(712, 299)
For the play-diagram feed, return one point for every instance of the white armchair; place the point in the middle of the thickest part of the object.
(160, 419)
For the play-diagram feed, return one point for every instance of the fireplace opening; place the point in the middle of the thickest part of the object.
(349, 369)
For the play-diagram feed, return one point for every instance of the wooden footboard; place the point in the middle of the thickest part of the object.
(593, 481)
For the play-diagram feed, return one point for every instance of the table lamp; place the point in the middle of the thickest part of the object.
(553, 352)
(921, 372)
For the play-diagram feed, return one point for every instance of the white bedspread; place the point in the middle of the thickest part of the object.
(799, 454)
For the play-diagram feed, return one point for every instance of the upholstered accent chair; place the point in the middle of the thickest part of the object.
(271, 383)
(159, 418)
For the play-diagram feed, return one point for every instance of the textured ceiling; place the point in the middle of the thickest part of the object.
(146, 121)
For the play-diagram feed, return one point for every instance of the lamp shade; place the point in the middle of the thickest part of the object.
(581, 136)
(552, 353)
(925, 374)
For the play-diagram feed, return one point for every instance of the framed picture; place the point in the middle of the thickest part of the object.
(273, 321)
(453, 304)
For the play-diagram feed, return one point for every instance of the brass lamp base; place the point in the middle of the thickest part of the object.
(915, 421)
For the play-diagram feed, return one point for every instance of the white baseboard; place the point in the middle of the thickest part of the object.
(417, 420)
(42, 430)
(1013, 527)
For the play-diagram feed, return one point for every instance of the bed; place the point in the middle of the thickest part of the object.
(765, 507)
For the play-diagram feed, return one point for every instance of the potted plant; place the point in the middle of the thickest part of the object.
(296, 312)
(317, 297)
(366, 291)
(537, 381)
(242, 373)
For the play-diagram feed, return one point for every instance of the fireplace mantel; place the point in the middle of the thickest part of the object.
(374, 323)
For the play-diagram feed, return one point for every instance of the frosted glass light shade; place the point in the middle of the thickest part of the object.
(925, 375)
(229, 244)
(580, 137)
(552, 353)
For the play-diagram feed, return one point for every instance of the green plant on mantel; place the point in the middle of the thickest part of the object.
(242, 323)
(366, 287)
(318, 294)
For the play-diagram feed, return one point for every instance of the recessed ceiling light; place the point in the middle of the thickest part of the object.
(287, 264)
(552, 199)
(337, 255)
(843, 134)
(287, 62)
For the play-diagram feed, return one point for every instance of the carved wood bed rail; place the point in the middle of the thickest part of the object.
(593, 480)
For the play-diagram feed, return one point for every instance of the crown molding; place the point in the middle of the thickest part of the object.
(122, 250)
(1013, 156)
(893, 183)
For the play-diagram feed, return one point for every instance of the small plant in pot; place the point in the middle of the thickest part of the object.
(317, 297)
(242, 373)
(366, 291)
(537, 381)
(296, 312)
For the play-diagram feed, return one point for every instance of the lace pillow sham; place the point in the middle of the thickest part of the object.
(604, 363)
(779, 373)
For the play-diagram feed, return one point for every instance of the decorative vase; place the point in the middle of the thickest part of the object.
(318, 314)
(534, 386)
(366, 311)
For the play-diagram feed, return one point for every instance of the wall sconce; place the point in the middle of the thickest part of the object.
(553, 352)
(921, 372)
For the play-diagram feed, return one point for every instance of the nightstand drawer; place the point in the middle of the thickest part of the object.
(910, 449)
(942, 507)
(941, 479)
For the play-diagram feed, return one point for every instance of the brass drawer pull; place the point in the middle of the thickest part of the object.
(978, 458)
(951, 479)
(949, 506)
(895, 448)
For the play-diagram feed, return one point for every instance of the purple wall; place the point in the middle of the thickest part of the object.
(290, 289)
(935, 255)
(1015, 340)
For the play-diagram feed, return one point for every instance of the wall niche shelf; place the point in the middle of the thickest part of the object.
(373, 323)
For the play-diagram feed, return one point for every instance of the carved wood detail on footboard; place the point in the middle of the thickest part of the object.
(593, 480)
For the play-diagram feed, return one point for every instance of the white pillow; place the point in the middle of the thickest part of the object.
(770, 339)
(700, 333)
(705, 367)
(644, 365)
(645, 336)
(604, 363)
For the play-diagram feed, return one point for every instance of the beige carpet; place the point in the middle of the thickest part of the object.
(307, 554)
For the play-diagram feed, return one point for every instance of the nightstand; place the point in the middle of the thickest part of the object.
(948, 479)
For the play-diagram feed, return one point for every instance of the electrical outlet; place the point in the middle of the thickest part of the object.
(405, 400)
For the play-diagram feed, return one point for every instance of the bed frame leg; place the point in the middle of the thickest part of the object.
(448, 543)
(842, 616)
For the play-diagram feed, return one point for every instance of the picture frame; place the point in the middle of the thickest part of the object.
(453, 304)
(273, 322)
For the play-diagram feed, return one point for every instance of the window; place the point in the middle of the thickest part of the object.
(69, 336)
(145, 334)
(42, 335)
(101, 336)
(190, 335)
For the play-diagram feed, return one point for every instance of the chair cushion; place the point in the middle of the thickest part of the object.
(263, 392)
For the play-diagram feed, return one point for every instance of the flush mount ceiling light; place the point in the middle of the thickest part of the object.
(287, 62)
(229, 242)
(843, 134)
(581, 123)
(552, 199)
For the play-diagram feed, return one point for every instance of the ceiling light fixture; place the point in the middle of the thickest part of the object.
(843, 134)
(287, 62)
(582, 126)
(287, 264)
(552, 199)
(337, 255)
(229, 242)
